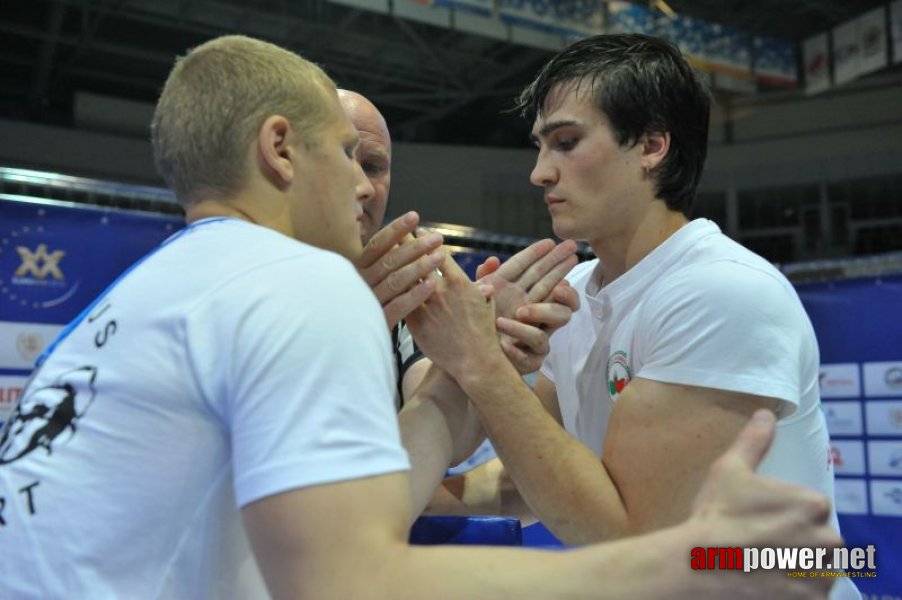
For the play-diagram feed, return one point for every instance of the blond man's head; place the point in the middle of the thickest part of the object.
(214, 102)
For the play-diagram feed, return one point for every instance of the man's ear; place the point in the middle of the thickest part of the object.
(655, 146)
(275, 151)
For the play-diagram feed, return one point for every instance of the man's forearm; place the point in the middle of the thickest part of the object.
(562, 480)
(438, 428)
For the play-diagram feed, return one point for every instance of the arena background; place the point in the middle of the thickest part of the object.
(805, 166)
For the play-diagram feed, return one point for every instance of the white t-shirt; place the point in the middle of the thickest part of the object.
(699, 310)
(214, 374)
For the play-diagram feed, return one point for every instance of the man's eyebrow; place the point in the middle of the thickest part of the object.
(374, 151)
(548, 128)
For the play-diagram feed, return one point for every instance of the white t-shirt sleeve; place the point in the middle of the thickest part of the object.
(294, 358)
(724, 325)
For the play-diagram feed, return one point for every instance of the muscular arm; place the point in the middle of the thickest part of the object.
(438, 428)
(347, 540)
(661, 441)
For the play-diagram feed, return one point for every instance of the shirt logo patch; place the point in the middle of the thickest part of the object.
(618, 373)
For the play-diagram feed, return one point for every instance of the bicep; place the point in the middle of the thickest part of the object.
(661, 440)
(325, 541)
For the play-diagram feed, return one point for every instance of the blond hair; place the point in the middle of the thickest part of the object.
(214, 102)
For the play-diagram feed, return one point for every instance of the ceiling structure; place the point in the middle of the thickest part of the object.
(434, 84)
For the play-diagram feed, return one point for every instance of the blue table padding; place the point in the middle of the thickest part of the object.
(486, 531)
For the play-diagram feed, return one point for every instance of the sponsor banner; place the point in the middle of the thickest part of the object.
(22, 343)
(10, 389)
(579, 18)
(884, 417)
(846, 52)
(872, 40)
(775, 61)
(840, 381)
(868, 336)
(690, 35)
(886, 497)
(851, 496)
(626, 17)
(479, 7)
(55, 259)
(843, 418)
(847, 457)
(883, 379)
(885, 458)
(727, 50)
(816, 64)
(895, 20)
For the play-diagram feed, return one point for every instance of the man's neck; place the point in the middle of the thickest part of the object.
(206, 209)
(618, 254)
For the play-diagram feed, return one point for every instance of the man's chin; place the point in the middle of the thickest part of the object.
(366, 233)
(351, 251)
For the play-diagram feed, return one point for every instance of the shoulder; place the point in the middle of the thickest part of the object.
(734, 279)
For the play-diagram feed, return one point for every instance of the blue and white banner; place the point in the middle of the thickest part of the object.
(626, 17)
(861, 388)
(575, 18)
(479, 7)
(56, 257)
(775, 61)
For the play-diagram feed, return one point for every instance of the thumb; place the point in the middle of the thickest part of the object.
(755, 439)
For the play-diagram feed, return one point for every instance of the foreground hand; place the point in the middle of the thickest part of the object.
(529, 276)
(399, 268)
(525, 340)
(736, 508)
(455, 327)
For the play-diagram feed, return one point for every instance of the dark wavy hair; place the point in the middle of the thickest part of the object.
(642, 84)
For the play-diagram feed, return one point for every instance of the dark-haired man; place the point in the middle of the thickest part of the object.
(682, 333)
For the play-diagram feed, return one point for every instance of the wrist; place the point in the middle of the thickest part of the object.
(482, 369)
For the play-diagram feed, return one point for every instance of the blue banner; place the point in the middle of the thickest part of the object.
(56, 257)
(860, 337)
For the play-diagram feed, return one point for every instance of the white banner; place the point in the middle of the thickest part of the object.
(847, 457)
(843, 418)
(883, 379)
(885, 458)
(816, 57)
(851, 496)
(886, 498)
(10, 390)
(846, 52)
(872, 40)
(22, 343)
(840, 380)
(884, 417)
